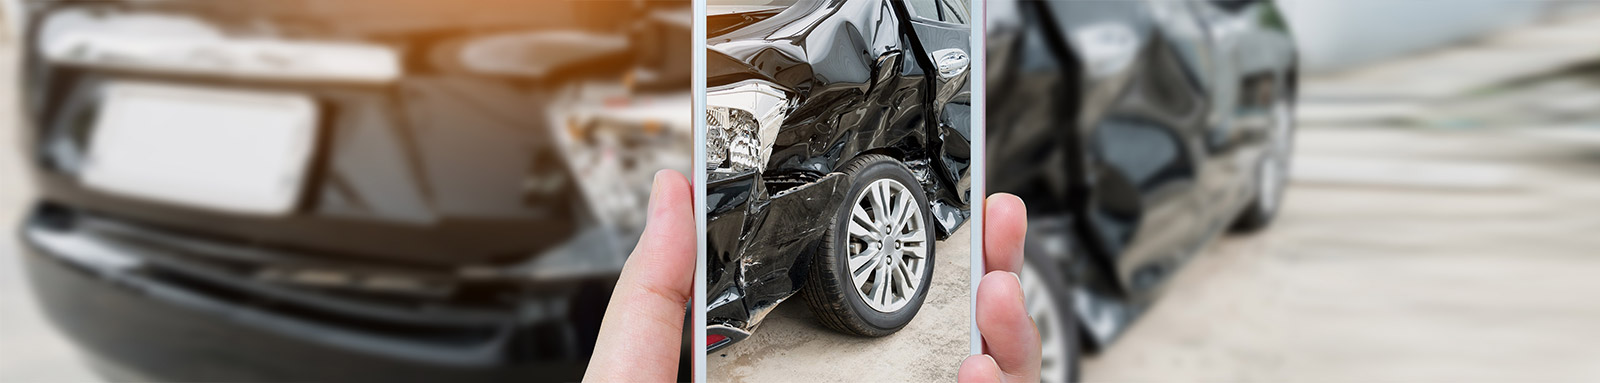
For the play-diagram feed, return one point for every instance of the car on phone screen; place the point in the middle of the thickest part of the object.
(1136, 131)
(353, 190)
(837, 155)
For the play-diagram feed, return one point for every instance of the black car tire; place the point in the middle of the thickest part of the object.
(1058, 329)
(828, 289)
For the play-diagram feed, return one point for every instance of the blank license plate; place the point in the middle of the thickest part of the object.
(228, 150)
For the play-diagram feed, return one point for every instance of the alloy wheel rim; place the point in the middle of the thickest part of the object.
(888, 249)
(1055, 357)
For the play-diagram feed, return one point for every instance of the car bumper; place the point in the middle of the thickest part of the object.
(140, 311)
(759, 245)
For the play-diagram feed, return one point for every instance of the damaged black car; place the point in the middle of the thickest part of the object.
(837, 155)
(1137, 132)
(353, 190)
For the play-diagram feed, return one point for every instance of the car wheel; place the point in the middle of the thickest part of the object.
(1272, 172)
(876, 262)
(1049, 302)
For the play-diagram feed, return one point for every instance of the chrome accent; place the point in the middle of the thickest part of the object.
(951, 62)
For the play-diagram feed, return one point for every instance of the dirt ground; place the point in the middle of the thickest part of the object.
(791, 346)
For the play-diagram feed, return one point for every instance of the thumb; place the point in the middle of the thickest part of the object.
(642, 332)
(979, 369)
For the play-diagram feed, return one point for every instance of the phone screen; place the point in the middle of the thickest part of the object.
(841, 184)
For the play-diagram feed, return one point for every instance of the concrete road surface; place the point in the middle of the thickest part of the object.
(791, 346)
(1408, 282)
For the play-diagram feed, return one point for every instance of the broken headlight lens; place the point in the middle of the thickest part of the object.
(615, 140)
(731, 139)
(742, 120)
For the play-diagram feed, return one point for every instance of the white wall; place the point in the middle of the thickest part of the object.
(12, 10)
(1337, 34)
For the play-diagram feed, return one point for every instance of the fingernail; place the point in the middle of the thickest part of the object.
(655, 187)
(1018, 278)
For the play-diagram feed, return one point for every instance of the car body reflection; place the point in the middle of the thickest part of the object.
(345, 191)
(1136, 131)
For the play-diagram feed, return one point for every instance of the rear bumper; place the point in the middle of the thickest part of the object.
(138, 310)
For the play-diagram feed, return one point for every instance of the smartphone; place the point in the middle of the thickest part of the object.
(840, 187)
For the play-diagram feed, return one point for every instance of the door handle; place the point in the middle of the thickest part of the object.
(951, 62)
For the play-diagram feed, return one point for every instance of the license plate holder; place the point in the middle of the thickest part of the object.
(237, 151)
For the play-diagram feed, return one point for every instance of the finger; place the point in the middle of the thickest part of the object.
(979, 369)
(1005, 224)
(643, 328)
(1008, 332)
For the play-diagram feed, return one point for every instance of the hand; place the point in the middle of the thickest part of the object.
(642, 332)
(1010, 338)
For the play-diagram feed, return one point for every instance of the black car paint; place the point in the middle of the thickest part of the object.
(1125, 127)
(419, 180)
(860, 84)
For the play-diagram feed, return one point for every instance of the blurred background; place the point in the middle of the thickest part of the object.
(1438, 227)
(1438, 224)
(291, 190)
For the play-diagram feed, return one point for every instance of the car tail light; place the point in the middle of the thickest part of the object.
(714, 339)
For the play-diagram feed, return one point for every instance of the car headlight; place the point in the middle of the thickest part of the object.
(615, 141)
(742, 120)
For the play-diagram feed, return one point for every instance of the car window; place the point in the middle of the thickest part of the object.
(955, 11)
(927, 9)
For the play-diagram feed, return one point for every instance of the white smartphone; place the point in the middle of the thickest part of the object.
(841, 189)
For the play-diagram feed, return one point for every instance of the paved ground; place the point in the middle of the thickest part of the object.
(1398, 281)
(792, 346)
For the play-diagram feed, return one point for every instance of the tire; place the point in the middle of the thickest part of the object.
(1272, 172)
(832, 291)
(1049, 301)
